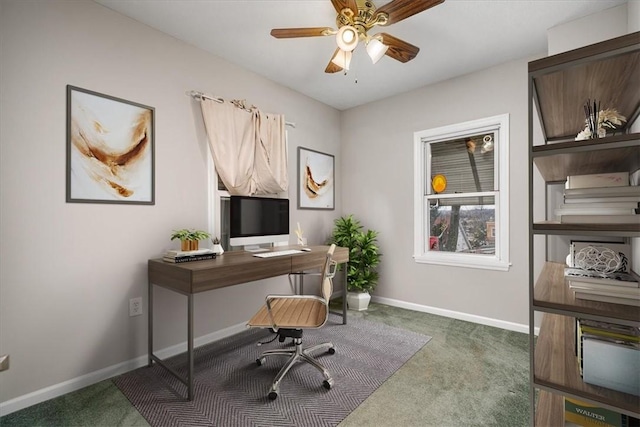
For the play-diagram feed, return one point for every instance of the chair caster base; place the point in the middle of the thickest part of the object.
(328, 383)
(260, 361)
(273, 395)
(331, 350)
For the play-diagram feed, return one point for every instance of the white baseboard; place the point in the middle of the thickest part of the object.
(516, 327)
(82, 381)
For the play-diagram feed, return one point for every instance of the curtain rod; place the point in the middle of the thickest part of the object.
(194, 94)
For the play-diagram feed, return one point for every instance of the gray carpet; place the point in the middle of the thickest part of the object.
(231, 390)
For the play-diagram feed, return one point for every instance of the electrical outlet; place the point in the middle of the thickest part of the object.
(135, 306)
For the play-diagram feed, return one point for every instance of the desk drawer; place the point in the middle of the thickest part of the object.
(232, 273)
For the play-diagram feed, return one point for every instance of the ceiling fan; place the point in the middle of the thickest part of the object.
(355, 18)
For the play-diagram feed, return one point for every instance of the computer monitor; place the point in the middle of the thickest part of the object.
(258, 220)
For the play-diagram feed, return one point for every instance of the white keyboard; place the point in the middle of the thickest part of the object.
(277, 253)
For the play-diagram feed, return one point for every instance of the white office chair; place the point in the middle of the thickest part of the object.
(288, 316)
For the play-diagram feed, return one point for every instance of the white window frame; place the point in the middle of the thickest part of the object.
(422, 188)
(215, 195)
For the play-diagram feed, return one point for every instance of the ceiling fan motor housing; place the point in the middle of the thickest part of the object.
(364, 20)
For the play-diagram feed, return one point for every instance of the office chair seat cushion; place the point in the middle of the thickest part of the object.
(294, 313)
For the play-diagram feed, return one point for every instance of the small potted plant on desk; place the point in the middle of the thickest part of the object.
(364, 257)
(189, 239)
(217, 246)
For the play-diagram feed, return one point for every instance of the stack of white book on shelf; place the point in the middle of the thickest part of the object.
(599, 271)
(176, 256)
(605, 198)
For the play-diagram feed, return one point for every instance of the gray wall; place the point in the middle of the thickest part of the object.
(378, 189)
(67, 271)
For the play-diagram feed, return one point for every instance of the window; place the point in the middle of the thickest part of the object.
(219, 203)
(461, 194)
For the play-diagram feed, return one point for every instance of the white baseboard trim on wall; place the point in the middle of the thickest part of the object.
(502, 324)
(82, 381)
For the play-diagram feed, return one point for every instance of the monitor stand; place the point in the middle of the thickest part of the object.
(254, 248)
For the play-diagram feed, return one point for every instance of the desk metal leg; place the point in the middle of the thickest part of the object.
(344, 294)
(150, 332)
(190, 346)
(190, 354)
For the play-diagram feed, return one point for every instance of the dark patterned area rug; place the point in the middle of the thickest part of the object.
(231, 390)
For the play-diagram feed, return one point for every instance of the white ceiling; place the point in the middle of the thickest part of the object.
(455, 38)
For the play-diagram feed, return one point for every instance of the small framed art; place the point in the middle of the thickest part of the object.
(110, 149)
(316, 180)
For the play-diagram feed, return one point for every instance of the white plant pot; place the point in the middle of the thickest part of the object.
(358, 301)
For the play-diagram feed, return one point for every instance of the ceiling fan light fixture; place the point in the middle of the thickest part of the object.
(342, 59)
(376, 49)
(347, 38)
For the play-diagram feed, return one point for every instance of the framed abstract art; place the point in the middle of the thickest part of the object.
(110, 149)
(316, 180)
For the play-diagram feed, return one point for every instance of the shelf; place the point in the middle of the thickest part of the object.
(550, 409)
(562, 83)
(618, 153)
(609, 73)
(558, 228)
(551, 294)
(556, 368)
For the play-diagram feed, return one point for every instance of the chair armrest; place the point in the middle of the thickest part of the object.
(333, 267)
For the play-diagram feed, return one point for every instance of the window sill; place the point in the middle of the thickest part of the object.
(461, 260)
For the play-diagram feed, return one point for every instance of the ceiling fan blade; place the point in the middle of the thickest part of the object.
(341, 4)
(331, 67)
(402, 9)
(399, 50)
(287, 33)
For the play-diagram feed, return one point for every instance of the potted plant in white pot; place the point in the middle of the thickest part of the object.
(364, 257)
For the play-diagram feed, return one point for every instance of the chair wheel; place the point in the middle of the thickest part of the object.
(260, 361)
(273, 395)
(331, 350)
(327, 384)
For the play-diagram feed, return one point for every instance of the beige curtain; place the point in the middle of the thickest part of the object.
(248, 148)
(270, 166)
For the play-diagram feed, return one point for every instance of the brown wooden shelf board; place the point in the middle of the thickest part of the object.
(556, 367)
(552, 294)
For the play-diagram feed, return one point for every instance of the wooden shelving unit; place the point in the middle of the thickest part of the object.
(558, 87)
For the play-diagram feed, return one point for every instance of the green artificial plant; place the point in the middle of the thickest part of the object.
(364, 253)
(186, 234)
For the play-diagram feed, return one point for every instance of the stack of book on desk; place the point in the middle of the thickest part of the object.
(176, 256)
(600, 199)
(619, 285)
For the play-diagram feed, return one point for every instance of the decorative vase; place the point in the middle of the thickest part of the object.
(358, 301)
(217, 248)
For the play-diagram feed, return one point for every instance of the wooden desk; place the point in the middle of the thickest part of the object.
(231, 268)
